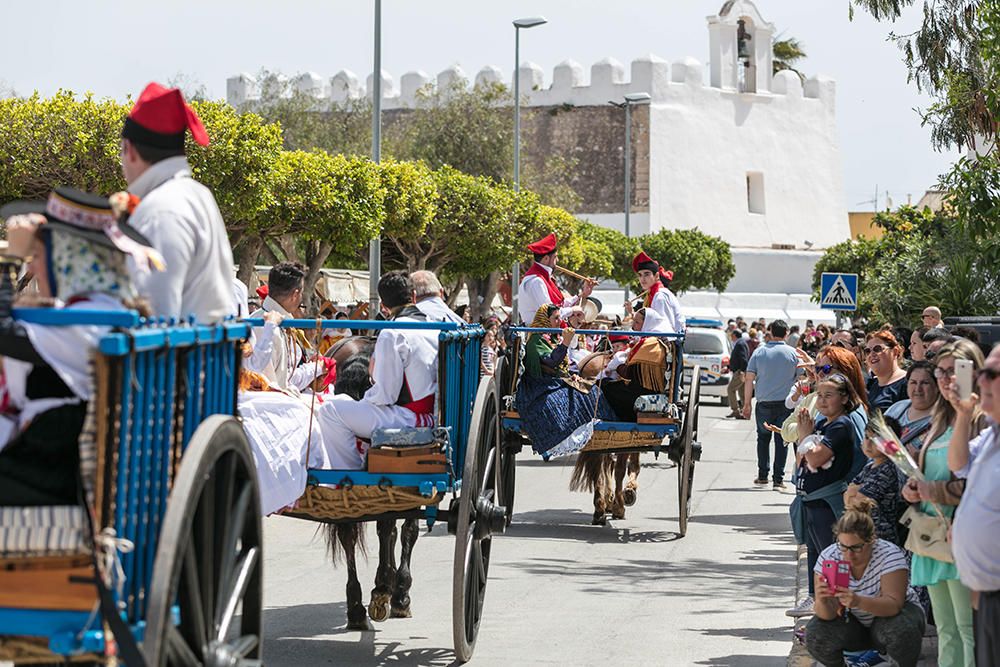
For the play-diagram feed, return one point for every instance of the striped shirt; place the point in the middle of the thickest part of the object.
(886, 558)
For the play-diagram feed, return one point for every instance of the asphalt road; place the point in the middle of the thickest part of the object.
(564, 592)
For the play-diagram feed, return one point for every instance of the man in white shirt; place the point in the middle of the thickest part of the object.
(279, 354)
(176, 213)
(404, 376)
(429, 298)
(538, 288)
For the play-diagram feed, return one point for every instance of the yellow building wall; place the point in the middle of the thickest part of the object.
(861, 225)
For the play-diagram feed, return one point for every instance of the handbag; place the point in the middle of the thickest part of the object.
(928, 534)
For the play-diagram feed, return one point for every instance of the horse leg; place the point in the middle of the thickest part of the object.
(618, 504)
(385, 575)
(357, 616)
(401, 595)
(631, 493)
(601, 491)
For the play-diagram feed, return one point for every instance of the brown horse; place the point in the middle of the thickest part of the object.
(391, 595)
(604, 473)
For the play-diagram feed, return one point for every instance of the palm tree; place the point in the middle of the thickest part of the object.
(785, 54)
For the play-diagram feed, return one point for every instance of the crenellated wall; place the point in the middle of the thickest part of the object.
(608, 80)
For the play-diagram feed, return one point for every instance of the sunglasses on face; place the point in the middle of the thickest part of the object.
(942, 373)
(875, 349)
(824, 369)
(987, 373)
(852, 548)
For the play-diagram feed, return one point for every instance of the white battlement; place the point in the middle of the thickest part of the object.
(569, 83)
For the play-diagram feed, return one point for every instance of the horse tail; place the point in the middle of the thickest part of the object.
(590, 467)
(337, 534)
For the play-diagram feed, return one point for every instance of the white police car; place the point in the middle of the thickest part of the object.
(706, 345)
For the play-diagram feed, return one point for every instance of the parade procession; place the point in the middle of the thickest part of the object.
(494, 324)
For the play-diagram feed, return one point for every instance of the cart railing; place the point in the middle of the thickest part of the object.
(155, 382)
(459, 350)
(676, 339)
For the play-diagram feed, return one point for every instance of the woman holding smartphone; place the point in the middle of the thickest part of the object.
(950, 600)
(876, 609)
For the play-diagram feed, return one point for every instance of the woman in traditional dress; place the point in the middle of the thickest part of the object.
(75, 245)
(645, 370)
(655, 280)
(557, 409)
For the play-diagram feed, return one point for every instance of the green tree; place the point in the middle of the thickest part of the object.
(60, 140)
(321, 202)
(934, 255)
(786, 54)
(699, 261)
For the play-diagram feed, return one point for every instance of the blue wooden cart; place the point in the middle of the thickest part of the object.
(676, 435)
(468, 421)
(164, 550)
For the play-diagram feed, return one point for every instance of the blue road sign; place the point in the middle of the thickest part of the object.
(839, 291)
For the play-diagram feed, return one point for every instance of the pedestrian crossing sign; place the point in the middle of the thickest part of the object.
(839, 291)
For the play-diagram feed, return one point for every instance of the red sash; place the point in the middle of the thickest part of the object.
(555, 294)
(648, 301)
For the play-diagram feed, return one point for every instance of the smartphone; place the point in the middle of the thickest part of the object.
(963, 378)
(837, 574)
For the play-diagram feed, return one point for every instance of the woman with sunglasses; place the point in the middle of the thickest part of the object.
(877, 610)
(950, 599)
(887, 384)
(914, 412)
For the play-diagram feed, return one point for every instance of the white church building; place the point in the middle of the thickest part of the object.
(728, 148)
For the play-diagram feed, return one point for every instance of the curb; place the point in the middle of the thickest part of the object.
(799, 656)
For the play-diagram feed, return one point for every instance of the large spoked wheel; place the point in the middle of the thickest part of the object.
(685, 467)
(209, 558)
(479, 517)
(510, 445)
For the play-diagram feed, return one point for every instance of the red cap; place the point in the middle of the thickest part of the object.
(160, 117)
(618, 338)
(543, 246)
(644, 261)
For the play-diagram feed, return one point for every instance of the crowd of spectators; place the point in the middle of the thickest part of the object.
(920, 545)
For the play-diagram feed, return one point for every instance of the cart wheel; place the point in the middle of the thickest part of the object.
(478, 519)
(209, 558)
(685, 467)
(510, 444)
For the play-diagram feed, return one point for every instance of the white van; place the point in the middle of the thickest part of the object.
(706, 345)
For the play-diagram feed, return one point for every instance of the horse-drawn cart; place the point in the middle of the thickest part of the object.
(669, 424)
(164, 549)
(467, 418)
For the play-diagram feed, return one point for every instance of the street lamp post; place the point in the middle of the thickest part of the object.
(530, 22)
(375, 246)
(630, 99)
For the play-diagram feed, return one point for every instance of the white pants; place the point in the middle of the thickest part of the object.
(342, 420)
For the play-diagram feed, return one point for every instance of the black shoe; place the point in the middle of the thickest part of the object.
(760, 481)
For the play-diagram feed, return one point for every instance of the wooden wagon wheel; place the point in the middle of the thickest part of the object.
(209, 558)
(510, 445)
(478, 518)
(685, 467)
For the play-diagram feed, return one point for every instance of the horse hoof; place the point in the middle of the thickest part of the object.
(364, 625)
(378, 608)
(397, 612)
(600, 519)
(618, 513)
(630, 497)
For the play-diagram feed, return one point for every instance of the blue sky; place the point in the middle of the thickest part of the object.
(114, 47)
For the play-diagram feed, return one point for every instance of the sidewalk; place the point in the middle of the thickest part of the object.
(799, 657)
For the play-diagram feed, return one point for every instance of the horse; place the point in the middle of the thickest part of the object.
(391, 595)
(594, 471)
(603, 473)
